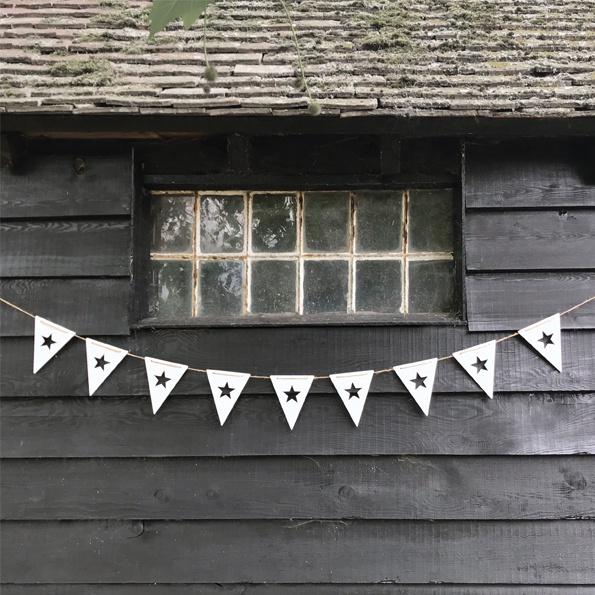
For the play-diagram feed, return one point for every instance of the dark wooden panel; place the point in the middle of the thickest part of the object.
(509, 301)
(534, 173)
(291, 551)
(296, 589)
(520, 424)
(509, 240)
(301, 351)
(62, 185)
(68, 247)
(410, 487)
(88, 306)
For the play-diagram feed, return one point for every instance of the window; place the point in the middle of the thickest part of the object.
(302, 254)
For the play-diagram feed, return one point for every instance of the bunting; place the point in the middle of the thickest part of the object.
(478, 361)
(292, 392)
(226, 388)
(48, 340)
(163, 377)
(418, 378)
(353, 389)
(102, 360)
(546, 338)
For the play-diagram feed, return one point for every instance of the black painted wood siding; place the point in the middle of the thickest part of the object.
(100, 497)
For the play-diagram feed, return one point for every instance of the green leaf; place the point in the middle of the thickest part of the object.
(165, 11)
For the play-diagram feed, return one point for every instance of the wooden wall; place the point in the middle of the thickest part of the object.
(482, 497)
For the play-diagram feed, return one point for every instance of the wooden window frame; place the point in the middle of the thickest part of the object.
(141, 228)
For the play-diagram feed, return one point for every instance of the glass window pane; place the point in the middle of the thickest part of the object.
(325, 286)
(274, 222)
(431, 286)
(221, 287)
(431, 221)
(379, 221)
(273, 286)
(222, 223)
(378, 286)
(172, 218)
(171, 289)
(326, 221)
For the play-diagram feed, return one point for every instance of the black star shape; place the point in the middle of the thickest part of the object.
(292, 394)
(225, 390)
(419, 380)
(48, 341)
(101, 362)
(480, 364)
(546, 339)
(162, 380)
(353, 391)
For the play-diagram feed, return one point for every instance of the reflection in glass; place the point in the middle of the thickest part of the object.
(325, 286)
(170, 289)
(379, 221)
(326, 221)
(274, 222)
(221, 287)
(273, 286)
(431, 221)
(221, 224)
(173, 220)
(431, 286)
(378, 286)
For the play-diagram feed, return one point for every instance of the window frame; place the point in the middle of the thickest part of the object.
(141, 226)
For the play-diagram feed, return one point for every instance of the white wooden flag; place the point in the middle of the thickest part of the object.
(49, 339)
(479, 362)
(102, 360)
(545, 337)
(226, 388)
(292, 392)
(163, 377)
(418, 378)
(353, 389)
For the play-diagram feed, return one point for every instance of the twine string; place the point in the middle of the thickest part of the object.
(324, 377)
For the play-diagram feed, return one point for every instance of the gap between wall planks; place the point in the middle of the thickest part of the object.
(322, 377)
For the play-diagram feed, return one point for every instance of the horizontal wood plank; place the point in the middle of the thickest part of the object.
(295, 589)
(299, 351)
(509, 301)
(532, 173)
(65, 248)
(530, 240)
(89, 306)
(291, 551)
(409, 487)
(519, 424)
(65, 186)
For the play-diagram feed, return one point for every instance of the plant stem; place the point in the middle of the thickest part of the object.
(297, 48)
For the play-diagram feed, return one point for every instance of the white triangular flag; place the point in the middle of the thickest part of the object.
(418, 378)
(102, 360)
(479, 362)
(545, 337)
(226, 388)
(163, 377)
(292, 392)
(49, 339)
(353, 389)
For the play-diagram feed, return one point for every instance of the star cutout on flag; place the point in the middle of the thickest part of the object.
(101, 362)
(48, 342)
(225, 390)
(292, 394)
(546, 339)
(162, 380)
(480, 364)
(419, 380)
(353, 391)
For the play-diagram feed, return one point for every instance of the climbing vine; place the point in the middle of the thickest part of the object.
(164, 12)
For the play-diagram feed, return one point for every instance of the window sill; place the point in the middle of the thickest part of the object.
(318, 320)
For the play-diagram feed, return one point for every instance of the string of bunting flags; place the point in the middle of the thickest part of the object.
(478, 361)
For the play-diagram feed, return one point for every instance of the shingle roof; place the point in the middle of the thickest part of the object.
(399, 57)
